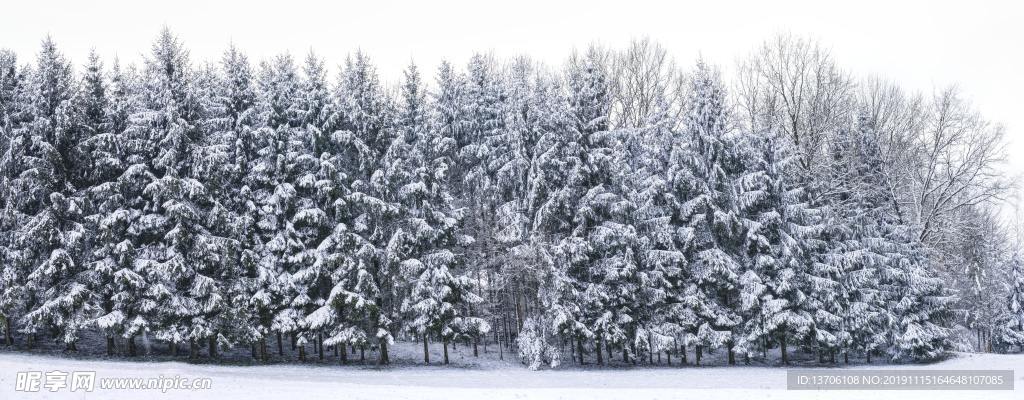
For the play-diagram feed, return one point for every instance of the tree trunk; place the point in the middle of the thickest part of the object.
(476, 341)
(320, 345)
(426, 351)
(193, 349)
(782, 348)
(446, 352)
(252, 349)
(625, 353)
(131, 346)
(382, 359)
(173, 348)
(867, 354)
(110, 345)
(732, 355)
(294, 341)
(699, 352)
(579, 345)
(263, 350)
(846, 357)
(597, 349)
(8, 338)
(650, 349)
(302, 353)
(572, 352)
(682, 351)
(344, 353)
(280, 346)
(213, 347)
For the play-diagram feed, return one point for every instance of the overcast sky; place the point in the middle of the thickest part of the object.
(921, 44)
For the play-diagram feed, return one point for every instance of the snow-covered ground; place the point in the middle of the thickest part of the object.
(471, 378)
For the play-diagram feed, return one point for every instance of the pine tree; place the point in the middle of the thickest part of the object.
(123, 308)
(583, 215)
(102, 163)
(781, 229)
(1011, 330)
(269, 178)
(485, 149)
(659, 312)
(318, 186)
(184, 260)
(231, 122)
(12, 89)
(552, 193)
(358, 308)
(52, 236)
(705, 167)
(426, 244)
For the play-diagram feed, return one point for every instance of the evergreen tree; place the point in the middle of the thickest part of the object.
(120, 285)
(318, 186)
(357, 310)
(51, 238)
(185, 260)
(781, 230)
(231, 121)
(705, 167)
(12, 94)
(1011, 331)
(426, 246)
(272, 199)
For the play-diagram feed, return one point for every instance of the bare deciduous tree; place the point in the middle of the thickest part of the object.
(643, 75)
(956, 162)
(794, 85)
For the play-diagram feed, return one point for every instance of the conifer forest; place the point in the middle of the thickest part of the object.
(625, 206)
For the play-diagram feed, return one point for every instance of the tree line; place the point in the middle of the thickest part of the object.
(618, 206)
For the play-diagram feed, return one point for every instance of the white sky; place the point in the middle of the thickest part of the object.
(921, 44)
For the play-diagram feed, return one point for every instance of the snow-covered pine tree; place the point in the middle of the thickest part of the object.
(851, 309)
(512, 151)
(231, 123)
(12, 89)
(52, 238)
(1011, 330)
(659, 312)
(100, 165)
(885, 296)
(123, 309)
(425, 247)
(358, 309)
(553, 191)
(184, 260)
(918, 301)
(272, 202)
(10, 80)
(589, 281)
(781, 232)
(485, 147)
(711, 232)
(318, 184)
